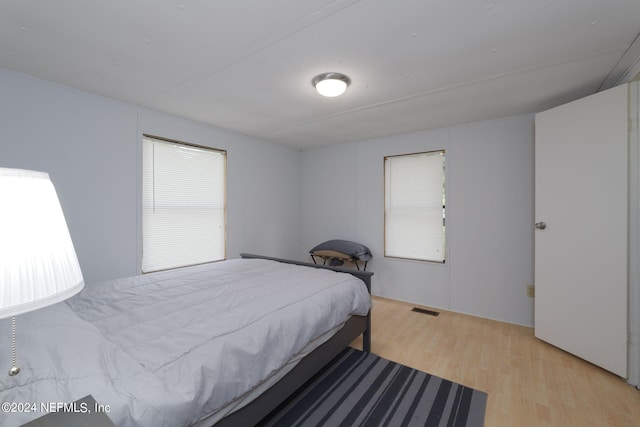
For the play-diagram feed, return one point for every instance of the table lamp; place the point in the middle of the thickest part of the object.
(38, 264)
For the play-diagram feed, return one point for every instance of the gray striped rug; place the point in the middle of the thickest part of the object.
(362, 389)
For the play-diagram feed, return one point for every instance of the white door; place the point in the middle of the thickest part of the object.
(581, 255)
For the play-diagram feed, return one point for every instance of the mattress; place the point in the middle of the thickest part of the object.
(177, 347)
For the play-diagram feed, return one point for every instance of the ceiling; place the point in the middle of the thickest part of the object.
(247, 65)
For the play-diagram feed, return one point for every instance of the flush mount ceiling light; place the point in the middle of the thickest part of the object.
(331, 84)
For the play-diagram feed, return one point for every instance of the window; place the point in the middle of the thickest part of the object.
(414, 206)
(183, 204)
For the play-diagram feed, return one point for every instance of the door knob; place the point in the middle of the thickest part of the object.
(541, 225)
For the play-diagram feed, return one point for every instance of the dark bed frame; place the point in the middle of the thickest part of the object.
(311, 364)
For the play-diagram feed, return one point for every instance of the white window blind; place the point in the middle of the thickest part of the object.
(183, 205)
(414, 200)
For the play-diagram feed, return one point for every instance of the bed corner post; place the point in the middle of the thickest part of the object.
(366, 335)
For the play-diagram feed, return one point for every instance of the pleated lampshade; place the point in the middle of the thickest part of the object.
(38, 263)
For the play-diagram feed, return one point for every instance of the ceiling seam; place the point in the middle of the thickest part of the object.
(446, 88)
(278, 36)
(611, 80)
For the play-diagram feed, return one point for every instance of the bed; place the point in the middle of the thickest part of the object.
(188, 347)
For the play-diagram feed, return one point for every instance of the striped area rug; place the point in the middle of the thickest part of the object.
(362, 389)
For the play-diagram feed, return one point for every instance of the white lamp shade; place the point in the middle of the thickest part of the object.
(331, 87)
(331, 84)
(38, 264)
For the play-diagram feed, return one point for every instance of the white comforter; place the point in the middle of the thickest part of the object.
(172, 348)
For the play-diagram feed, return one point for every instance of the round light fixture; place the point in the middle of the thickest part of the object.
(331, 84)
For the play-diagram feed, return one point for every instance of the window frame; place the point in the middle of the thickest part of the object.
(142, 207)
(442, 152)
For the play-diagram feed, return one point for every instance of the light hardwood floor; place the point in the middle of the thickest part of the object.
(529, 382)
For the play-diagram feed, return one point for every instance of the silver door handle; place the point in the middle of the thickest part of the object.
(541, 225)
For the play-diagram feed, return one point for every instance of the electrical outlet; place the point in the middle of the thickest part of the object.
(531, 291)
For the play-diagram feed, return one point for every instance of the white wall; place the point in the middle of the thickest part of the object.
(90, 146)
(489, 174)
(282, 202)
(87, 144)
(263, 208)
